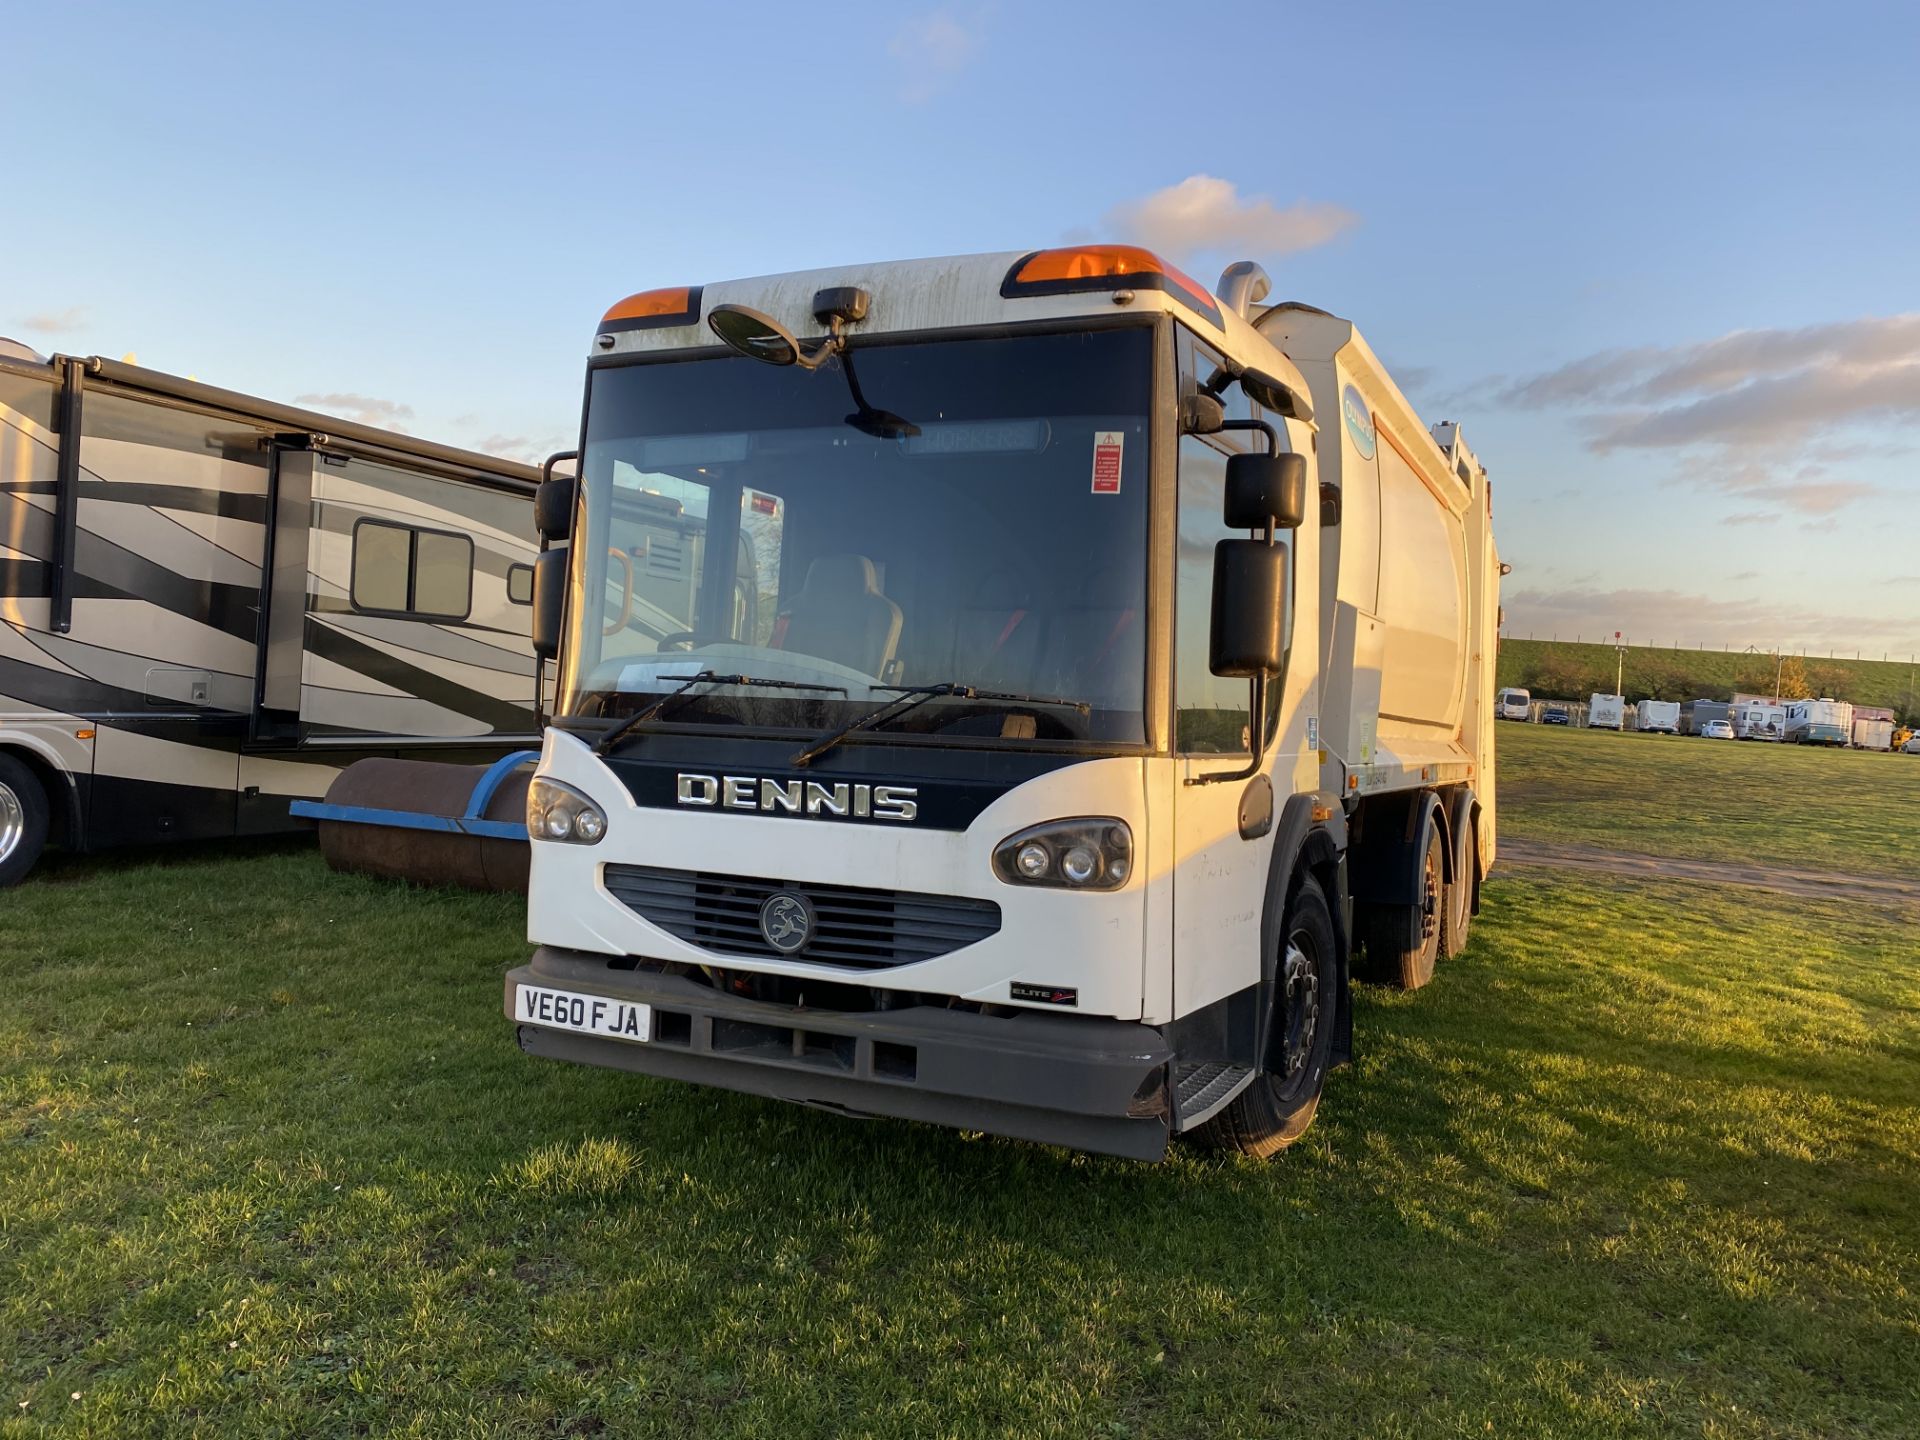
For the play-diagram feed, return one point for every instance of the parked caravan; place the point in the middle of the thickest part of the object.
(1759, 720)
(1658, 717)
(1607, 712)
(1513, 704)
(1870, 733)
(1075, 842)
(1819, 722)
(210, 603)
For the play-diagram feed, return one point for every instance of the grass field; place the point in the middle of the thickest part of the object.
(1644, 1162)
(1854, 811)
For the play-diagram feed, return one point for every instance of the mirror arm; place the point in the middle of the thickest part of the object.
(1273, 438)
(835, 342)
(1258, 727)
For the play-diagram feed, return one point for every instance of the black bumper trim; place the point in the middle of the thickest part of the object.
(1081, 1081)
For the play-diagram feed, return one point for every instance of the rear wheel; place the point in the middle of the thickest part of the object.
(1403, 941)
(23, 820)
(1278, 1106)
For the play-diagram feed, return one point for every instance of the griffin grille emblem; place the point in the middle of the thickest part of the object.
(787, 920)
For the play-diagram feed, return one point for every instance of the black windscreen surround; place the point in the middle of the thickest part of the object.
(968, 511)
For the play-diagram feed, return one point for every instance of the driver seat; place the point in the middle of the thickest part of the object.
(840, 615)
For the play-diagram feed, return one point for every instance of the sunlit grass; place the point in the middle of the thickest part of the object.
(1852, 811)
(1644, 1162)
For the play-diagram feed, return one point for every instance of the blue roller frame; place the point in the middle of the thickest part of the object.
(473, 822)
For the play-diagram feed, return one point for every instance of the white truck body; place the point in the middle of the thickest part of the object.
(1514, 704)
(1607, 712)
(1659, 717)
(1109, 1019)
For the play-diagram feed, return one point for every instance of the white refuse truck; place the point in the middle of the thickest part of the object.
(1657, 717)
(1113, 677)
(1607, 712)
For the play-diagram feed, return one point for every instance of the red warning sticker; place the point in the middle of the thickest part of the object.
(1106, 461)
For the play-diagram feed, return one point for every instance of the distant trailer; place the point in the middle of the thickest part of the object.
(1872, 734)
(1607, 712)
(210, 604)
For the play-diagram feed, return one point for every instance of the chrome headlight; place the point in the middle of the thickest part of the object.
(560, 813)
(1090, 854)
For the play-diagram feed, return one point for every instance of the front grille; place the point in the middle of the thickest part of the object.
(857, 928)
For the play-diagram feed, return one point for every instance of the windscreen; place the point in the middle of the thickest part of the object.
(967, 512)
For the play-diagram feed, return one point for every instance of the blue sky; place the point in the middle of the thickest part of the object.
(1659, 260)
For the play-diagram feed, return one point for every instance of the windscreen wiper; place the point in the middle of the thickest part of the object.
(667, 701)
(912, 695)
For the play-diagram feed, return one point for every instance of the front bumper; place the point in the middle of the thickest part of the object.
(1086, 1082)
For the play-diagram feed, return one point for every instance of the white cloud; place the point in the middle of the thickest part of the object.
(930, 50)
(1749, 388)
(362, 409)
(1204, 214)
(528, 449)
(56, 322)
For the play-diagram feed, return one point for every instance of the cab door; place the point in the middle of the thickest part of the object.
(1220, 877)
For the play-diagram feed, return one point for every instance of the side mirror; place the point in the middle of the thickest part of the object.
(1265, 490)
(549, 601)
(1249, 608)
(553, 508)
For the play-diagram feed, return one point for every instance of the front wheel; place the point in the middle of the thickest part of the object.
(1278, 1106)
(23, 820)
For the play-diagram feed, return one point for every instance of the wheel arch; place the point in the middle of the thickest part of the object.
(1386, 862)
(66, 810)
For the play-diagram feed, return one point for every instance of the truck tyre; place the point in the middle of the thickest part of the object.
(1403, 941)
(1459, 909)
(23, 820)
(1277, 1107)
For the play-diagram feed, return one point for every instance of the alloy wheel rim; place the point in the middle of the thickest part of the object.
(1430, 902)
(13, 822)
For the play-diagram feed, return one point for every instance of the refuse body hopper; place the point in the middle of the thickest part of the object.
(433, 824)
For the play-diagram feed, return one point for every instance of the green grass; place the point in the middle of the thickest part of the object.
(1854, 811)
(1644, 1162)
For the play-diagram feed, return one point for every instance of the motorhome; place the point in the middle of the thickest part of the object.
(1119, 681)
(1759, 720)
(1607, 712)
(1657, 717)
(1514, 704)
(209, 603)
(1819, 722)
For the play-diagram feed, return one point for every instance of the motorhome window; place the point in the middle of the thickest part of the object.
(1210, 711)
(520, 584)
(404, 571)
(982, 520)
(29, 464)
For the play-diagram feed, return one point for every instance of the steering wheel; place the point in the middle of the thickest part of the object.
(687, 639)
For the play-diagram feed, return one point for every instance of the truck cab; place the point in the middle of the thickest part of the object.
(999, 758)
